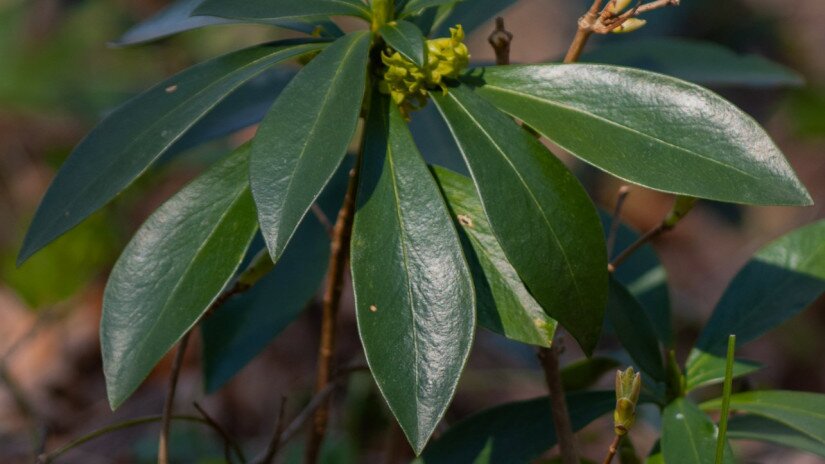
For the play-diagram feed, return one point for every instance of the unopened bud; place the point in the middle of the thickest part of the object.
(630, 25)
(617, 6)
(628, 388)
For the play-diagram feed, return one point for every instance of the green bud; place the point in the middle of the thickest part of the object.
(617, 6)
(628, 388)
(630, 25)
(409, 86)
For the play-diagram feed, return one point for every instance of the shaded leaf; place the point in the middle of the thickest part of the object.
(406, 39)
(172, 270)
(781, 280)
(127, 142)
(470, 14)
(415, 6)
(513, 432)
(413, 291)
(689, 436)
(750, 427)
(635, 331)
(801, 411)
(523, 187)
(696, 61)
(584, 373)
(704, 369)
(304, 137)
(504, 304)
(698, 144)
(268, 10)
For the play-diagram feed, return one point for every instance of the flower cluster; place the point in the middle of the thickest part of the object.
(408, 85)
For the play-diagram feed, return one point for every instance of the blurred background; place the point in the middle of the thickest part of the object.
(58, 77)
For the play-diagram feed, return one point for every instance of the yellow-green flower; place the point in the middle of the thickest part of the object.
(409, 86)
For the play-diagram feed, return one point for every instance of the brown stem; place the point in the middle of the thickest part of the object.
(640, 242)
(168, 406)
(549, 358)
(614, 447)
(585, 30)
(500, 40)
(275, 442)
(339, 252)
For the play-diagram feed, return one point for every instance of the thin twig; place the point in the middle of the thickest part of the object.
(228, 443)
(650, 235)
(500, 40)
(51, 456)
(275, 442)
(339, 252)
(721, 440)
(614, 447)
(615, 222)
(168, 406)
(322, 218)
(549, 358)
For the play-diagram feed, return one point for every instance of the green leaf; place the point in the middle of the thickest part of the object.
(268, 10)
(126, 143)
(644, 276)
(801, 411)
(242, 327)
(689, 436)
(780, 280)
(514, 433)
(698, 144)
(406, 39)
(413, 291)
(523, 187)
(177, 18)
(304, 137)
(172, 270)
(751, 427)
(585, 372)
(705, 369)
(416, 6)
(635, 331)
(696, 61)
(504, 304)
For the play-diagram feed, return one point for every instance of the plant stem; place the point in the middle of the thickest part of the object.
(549, 358)
(168, 406)
(615, 221)
(339, 252)
(614, 447)
(500, 40)
(275, 442)
(726, 392)
(583, 33)
(228, 442)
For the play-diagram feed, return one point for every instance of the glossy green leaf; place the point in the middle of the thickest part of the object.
(406, 39)
(268, 10)
(243, 326)
(689, 436)
(413, 291)
(172, 270)
(781, 280)
(751, 427)
(126, 143)
(416, 6)
(471, 14)
(504, 304)
(304, 137)
(801, 411)
(644, 276)
(514, 433)
(696, 61)
(635, 331)
(697, 144)
(177, 18)
(585, 372)
(704, 369)
(541, 215)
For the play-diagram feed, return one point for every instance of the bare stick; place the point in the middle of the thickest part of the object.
(322, 218)
(228, 443)
(168, 406)
(621, 196)
(500, 40)
(549, 358)
(275, 442)
(339, 252)
(614, 447)
(583, 33)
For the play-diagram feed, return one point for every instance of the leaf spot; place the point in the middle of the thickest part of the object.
(373, 308)
(465, 220)
(171, 88)
(680, 416)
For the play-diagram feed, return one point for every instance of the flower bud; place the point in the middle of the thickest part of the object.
(628, 387)
(617, 6)
(630, 25)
